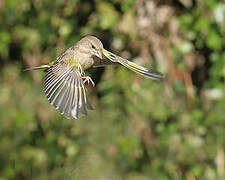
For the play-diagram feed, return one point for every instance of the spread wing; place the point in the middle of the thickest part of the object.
(150, 73)
(65, 90)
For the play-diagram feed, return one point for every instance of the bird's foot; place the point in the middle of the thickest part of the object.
(88, 80)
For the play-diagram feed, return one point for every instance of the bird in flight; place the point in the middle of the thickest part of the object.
(65, 79)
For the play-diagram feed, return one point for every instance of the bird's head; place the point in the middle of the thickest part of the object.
(95, 46)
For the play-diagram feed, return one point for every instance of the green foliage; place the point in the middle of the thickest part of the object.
(140, 129)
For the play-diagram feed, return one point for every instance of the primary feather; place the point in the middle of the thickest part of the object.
(150, 73)
(65, 90)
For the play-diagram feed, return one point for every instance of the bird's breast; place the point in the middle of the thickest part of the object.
(83, 57)
(87, 63)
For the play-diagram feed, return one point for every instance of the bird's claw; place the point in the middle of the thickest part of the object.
(88, 80)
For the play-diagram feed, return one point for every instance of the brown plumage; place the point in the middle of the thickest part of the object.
(65, 78)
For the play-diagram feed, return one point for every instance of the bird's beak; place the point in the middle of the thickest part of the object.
(99, 54)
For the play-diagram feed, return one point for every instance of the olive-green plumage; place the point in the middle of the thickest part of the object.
(65, 78)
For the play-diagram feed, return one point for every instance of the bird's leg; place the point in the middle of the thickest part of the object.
(87, 79)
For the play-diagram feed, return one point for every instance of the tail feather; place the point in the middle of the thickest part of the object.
(44, 66)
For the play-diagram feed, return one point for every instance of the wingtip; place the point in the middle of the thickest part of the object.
(160, 75)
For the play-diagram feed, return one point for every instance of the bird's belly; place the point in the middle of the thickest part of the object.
(87, 63)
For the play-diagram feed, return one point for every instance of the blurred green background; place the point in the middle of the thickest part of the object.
(140, 129)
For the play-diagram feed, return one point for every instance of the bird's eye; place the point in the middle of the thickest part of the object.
(93, 47)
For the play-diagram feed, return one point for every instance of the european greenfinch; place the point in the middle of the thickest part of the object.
(65, 78)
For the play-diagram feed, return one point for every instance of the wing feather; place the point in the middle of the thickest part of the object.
(82, 103)
(65, 90)
(58, 102)
(75, 103)
(68, 105)
(65, 98)
(53, 96)
(51, 83)
(150, 73)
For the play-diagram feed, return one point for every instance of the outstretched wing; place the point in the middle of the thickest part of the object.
(150, 73)
(65, 90)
